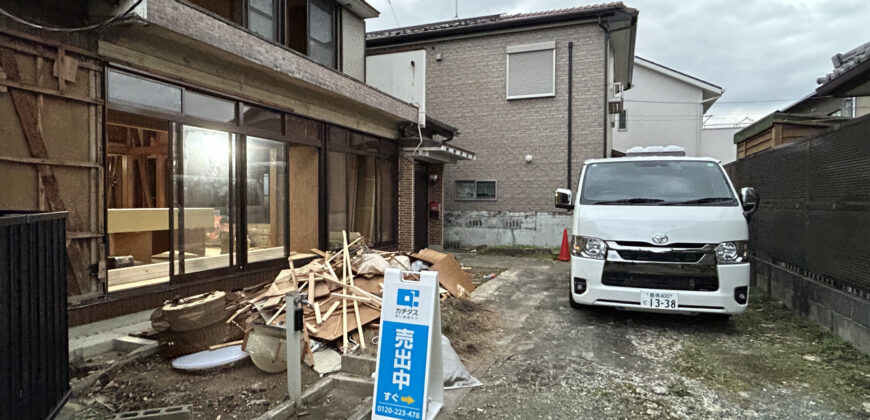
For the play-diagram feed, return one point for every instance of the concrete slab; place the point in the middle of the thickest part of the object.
(89, 340)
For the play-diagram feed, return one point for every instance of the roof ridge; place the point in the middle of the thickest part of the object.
(473, 21)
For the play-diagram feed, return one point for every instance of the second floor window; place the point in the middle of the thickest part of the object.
(261, 18)
(321, 32)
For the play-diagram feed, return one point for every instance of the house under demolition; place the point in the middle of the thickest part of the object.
(196, 144)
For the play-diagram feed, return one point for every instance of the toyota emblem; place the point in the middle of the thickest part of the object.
(660, 238)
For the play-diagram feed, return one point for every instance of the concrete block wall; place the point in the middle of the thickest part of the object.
(842, 313)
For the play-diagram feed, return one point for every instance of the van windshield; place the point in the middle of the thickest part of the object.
(656, 183)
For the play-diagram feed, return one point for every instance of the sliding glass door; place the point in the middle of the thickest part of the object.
(204, 201)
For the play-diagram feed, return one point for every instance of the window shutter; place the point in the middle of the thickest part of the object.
(530, 70)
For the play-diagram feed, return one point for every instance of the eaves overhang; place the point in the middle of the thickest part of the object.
(434, 151)
(188, 26)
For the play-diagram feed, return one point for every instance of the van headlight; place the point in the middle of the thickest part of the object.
(734, 252)
(589, 248)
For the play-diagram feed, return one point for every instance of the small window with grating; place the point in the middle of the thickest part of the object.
(475, 190)
(531, 70)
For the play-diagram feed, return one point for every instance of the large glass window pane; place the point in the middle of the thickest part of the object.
(137, 216)
(208, 228)
(132, 90)
(209, 108)
(388, 202)
(266, 188)
(304, 201)
(337, 194)
(261, 18)
(321, 39)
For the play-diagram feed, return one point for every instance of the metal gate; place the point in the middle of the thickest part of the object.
(34, 360)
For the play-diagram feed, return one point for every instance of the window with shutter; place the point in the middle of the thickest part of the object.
(531, 70)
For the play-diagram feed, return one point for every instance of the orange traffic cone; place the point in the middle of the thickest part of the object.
(564, 255)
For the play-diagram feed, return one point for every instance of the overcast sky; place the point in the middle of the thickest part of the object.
(758, 50)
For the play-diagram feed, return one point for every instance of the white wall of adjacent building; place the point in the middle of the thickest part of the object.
(665, 107)
(719, 143)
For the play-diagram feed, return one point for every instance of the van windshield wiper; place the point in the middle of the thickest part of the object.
(630, 201)
(704, 200)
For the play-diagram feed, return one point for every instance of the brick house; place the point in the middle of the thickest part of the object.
(524, 89)
(196, 143)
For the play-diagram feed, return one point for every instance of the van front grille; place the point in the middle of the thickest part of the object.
(676, 257)
(657, 281)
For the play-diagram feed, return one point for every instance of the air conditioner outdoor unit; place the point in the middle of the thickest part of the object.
(614, 106)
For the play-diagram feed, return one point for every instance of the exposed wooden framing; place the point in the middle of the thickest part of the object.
(330, 310)
(48, 162)
(117, 149)
(47, 53)
(25, 104)
(359, 325)
(50, 92)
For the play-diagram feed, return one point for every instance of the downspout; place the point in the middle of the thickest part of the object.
(603, 24)
(570, 103)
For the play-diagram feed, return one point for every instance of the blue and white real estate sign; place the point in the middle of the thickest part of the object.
(408, 383)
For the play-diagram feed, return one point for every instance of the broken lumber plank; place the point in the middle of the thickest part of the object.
(311, 328)
(280, 310)
(330, 311)
(352, 298)
(220, 346)
(359, 326)
(356, 290)
(318, 318)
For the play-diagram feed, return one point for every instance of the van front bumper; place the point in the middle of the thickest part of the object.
(713, 300)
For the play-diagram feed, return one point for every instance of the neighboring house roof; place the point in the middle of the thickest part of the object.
(710, 92)
(851, 74)
(781, 117)
(613, 14)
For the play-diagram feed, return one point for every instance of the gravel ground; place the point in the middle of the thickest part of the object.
(552, 362)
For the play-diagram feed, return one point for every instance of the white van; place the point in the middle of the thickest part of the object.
(658, 232)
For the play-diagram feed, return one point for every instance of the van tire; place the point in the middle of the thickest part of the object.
(573, 304)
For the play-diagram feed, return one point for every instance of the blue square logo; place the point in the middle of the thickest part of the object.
(408, 297)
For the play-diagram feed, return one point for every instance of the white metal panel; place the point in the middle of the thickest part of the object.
(353, 45)
(402, 75)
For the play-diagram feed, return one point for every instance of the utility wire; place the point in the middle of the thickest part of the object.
(394, 13)
(718, 102)
(75, 29)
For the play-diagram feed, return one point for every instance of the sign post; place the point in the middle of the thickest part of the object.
(409, 381)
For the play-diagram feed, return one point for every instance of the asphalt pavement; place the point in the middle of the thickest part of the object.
(549, 361)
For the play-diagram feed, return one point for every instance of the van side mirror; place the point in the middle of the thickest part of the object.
(564, 199)
(750, 201)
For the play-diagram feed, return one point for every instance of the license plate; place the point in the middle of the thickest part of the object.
(659, 300)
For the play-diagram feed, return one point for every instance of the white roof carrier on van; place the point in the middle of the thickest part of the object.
(656, 151)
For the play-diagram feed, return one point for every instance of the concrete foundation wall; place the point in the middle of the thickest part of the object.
(504, 228)
(842, 313)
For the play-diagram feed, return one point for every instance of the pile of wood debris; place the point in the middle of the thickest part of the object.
(343, 289)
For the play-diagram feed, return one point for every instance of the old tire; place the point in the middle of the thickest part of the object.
(195, 312)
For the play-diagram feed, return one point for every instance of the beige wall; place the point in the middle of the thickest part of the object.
(467, 90)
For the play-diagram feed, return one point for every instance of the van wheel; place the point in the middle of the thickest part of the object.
(573, 304)
(717, 318)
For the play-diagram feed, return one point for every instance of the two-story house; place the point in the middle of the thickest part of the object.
(531, 94)
(195, 143)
